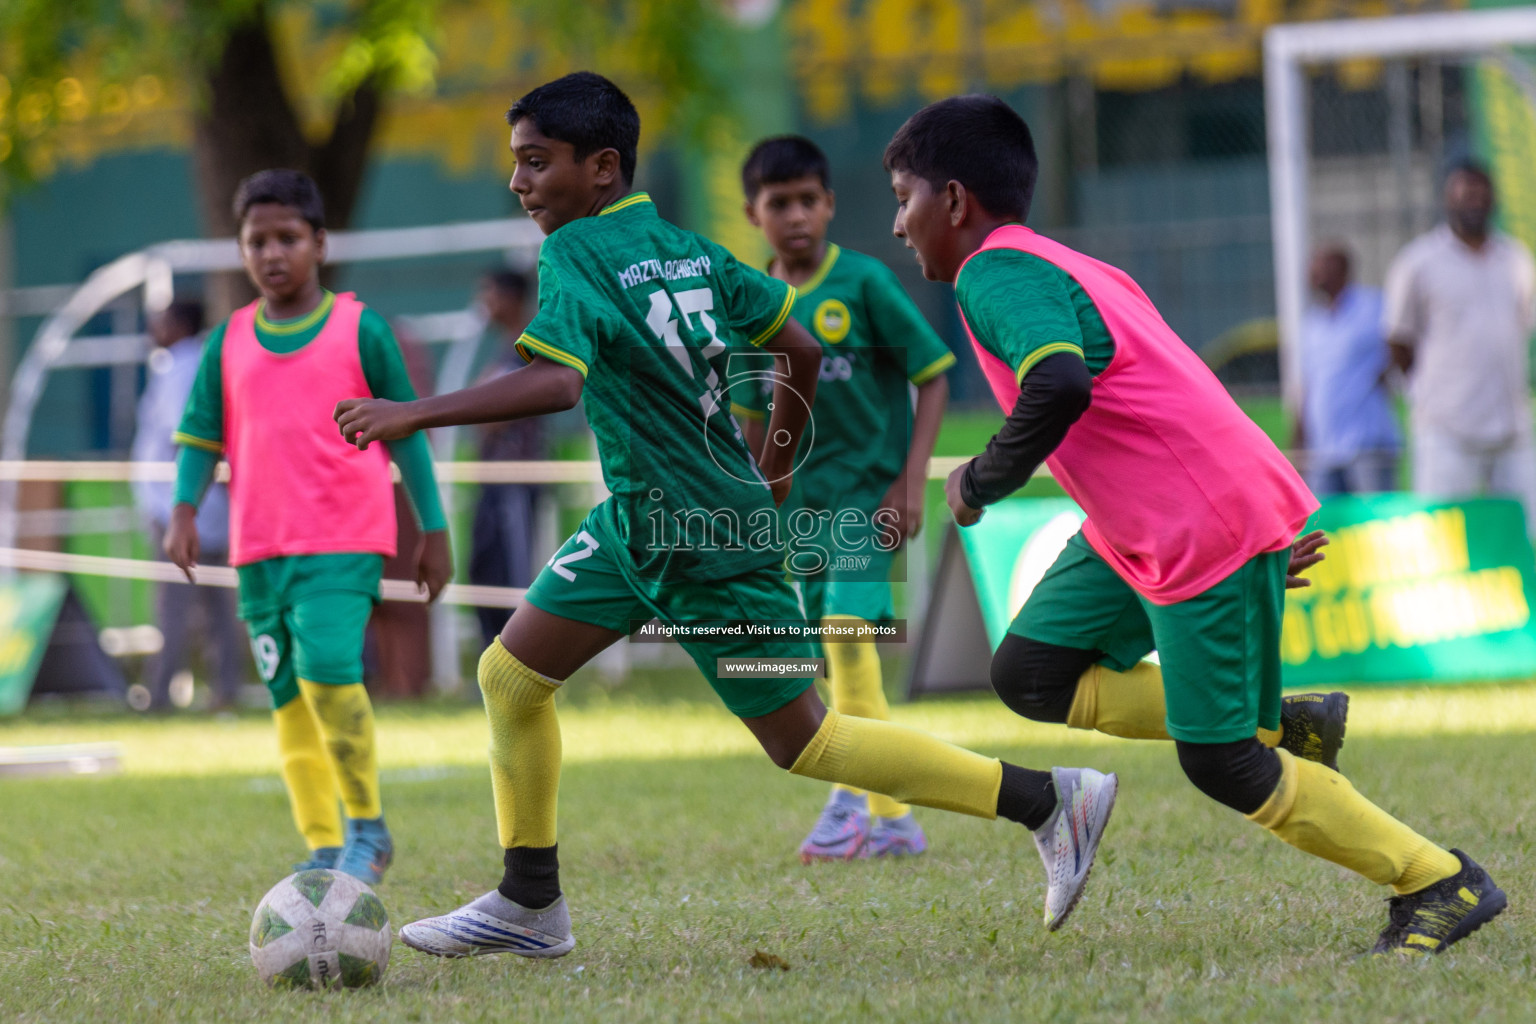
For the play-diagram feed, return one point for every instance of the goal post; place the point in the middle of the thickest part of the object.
(1290, 53)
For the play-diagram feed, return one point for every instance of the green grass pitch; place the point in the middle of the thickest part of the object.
(128, 898)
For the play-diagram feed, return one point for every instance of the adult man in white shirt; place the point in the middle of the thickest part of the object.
(1460, 309)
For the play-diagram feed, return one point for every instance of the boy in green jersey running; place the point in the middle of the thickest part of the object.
(636, 318)
(859, 482)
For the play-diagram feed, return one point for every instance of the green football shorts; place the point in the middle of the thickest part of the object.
(1220, 650)
(854, 577)
(860, 598)
(307, 615)
(586, 581)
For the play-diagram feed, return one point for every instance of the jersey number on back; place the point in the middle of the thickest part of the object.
(693, 302)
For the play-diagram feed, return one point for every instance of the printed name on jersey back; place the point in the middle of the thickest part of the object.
(659, 270)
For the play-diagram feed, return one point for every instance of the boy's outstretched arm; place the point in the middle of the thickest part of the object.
(543, 386)
(905, 496)
(793, 395)
(1052, 396)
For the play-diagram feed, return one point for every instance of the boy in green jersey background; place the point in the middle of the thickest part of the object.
(310, 523)
(862, 467)
(636, 319)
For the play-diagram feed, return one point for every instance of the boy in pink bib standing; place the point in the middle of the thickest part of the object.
(1192, 513)
(311, 518)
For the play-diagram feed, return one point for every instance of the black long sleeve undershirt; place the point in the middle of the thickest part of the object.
(1053, 395)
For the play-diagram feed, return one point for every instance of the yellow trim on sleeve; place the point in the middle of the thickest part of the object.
(833, 252)
(193, 441)
(741, 410)
(528, 342)
(303, 323)
(633, 199)
(1043, 351)
(933, 369)
(778, 321)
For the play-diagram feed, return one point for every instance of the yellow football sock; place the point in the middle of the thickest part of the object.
(911, 766)
(307, 775)
(1126, 704)
(346, 721)
(853, 675)
(1316, 809)
(1130, 705)
(525, 748)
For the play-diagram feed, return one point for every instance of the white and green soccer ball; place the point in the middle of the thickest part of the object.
(320, 929)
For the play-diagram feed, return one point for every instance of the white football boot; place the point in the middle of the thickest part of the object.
(1069, 839)
(494, 924)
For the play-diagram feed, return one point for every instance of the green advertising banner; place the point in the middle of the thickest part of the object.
(1414, 590)
(1411, 591)
(1010, 550)
(29, 606)
(984, 575)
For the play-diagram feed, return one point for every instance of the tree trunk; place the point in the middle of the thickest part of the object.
(246, 123)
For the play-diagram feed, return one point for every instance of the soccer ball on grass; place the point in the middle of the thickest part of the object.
(320, 929)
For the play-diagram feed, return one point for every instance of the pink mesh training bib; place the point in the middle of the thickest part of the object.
(1180, 487)
(297, 488)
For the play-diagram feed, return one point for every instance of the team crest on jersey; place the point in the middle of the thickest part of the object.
(832, 321)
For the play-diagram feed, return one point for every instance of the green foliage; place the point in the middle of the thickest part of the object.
(681, 49)
(684, 49)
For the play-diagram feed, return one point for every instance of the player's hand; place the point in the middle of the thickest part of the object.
(181, 542)
(907, 502)
(365, 420)
(434, 566)
(1305, 554)
(963, 513)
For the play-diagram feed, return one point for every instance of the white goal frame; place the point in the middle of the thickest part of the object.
(1287, 50)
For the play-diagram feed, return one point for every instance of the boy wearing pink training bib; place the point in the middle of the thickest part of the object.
(311, 519)
(1192, 515)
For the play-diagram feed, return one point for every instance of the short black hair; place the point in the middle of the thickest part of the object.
(285, 187)
(1472, 168)
(977, 140)
(589, 112)
(508, 281)
(783, 158)
(1336, 248)
(187, 314)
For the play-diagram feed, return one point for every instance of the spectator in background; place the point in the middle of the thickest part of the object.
(505, 516)
(172, 368)
(1460, 308)
(1346, 426)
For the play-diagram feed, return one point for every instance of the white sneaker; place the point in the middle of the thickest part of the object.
(1070, 836)
(494, 924)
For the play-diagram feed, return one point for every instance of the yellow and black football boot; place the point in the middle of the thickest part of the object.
(1435, 917)
(1312, 726)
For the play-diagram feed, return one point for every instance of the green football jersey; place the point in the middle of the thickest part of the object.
(648, 313)
(874, 341)
(1024, 308)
